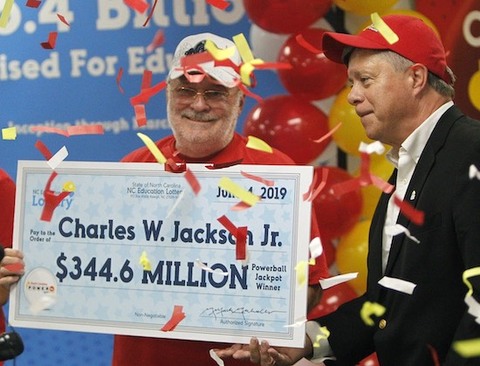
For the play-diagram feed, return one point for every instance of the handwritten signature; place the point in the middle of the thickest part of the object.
(220, 312)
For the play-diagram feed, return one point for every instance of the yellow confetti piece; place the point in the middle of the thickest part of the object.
(69, 186)
(7, 9)
(9, 133)
(217, 53)
(302, 272)
(468, 348)
(246, 70)
(258, 144)
(145, 262)
(243, 47)
(248, 197)
(153, 148)
(472, 272)
(387, 32)
(324, 334)
(369, 309)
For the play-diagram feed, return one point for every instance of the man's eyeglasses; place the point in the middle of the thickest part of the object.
(186, 94)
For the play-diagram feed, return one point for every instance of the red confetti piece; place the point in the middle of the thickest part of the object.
(52, 40)
(33, 3)
(49, 130)
(52, 200)
(308, 193)
(177, 316)
(157, 41)
(193, 181)
(329, 134)
(322, 185)
(433, 352)
(239, 233)
(339, 189)
(150, 14)
(267, 182)
(140, 114)
(43, 150)
(273, 65)
(307, 45)
(146, 79)
(241, 244)
(119, 78)
(96, 129)
(63, 20)
(147, 93)
(240, 206)
(195, 59)
(174, 167)
(410, 212)
(220, 4)
(139, 5)
(249, 93)
(14, 267)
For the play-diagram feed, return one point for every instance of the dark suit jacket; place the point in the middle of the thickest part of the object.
(419, 327)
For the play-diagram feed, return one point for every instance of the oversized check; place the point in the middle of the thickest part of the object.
(133, 242)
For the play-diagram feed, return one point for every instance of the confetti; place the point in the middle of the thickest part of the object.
(43, 150)
(51, 42)
(33, 3)
(157, 41)
(329, 134)
(473, 172)
(410, 212)
(239, 233)
(204, 267)
(386, 32)
(140, 114)
(7, 9)
(297, 323)
(14, 267)
(316, 247)
(219, 54)
(324, 334)
(467, 348)
(220, 4)
(239, 192)
(63, 20)
(192, 181)
(138, 5)
(257, 144)
(153, 148)
(374, 147)
(397, 229)
(147, 93)
(473, 307)
(307, 45)
(45, 302)
(369, 309)
(320, 187)
(215, 357)
(56, 159)
(145, 262)
(9, 133)
(52, 200)
(150, 14)
(118, 79)
(177, 316)
(68, 186)
(267, 182)
(397, 284)
(472, 272)
(336, 280)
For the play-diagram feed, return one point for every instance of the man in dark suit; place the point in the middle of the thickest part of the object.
(423, 287)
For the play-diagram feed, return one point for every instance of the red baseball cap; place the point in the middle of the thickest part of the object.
(416, 42)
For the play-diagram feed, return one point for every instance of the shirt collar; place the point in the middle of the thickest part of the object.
(416, 141)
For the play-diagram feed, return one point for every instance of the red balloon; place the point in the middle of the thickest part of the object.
(332, 298)
(312, 75)
(336, 215)
(285, 16)
(329, 250)
(289, 124)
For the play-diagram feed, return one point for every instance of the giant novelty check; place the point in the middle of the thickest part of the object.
(135, 249)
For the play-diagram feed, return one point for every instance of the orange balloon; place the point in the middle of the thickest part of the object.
(351, 132)
(351, 255)
(365, 7)
(370, 197)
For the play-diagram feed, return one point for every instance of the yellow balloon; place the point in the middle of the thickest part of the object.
(474, 90)
(412, 13)
(351, 132)
(370, 197)
(351, 255)
(365, 7)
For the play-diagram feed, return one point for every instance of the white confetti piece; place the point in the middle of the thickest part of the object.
(336, 280)
(397, 284)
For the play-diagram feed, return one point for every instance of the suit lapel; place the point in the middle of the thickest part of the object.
(420, 175)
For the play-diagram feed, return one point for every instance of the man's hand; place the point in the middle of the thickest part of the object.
(263, 354)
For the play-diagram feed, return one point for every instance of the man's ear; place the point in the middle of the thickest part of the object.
(419, 74)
